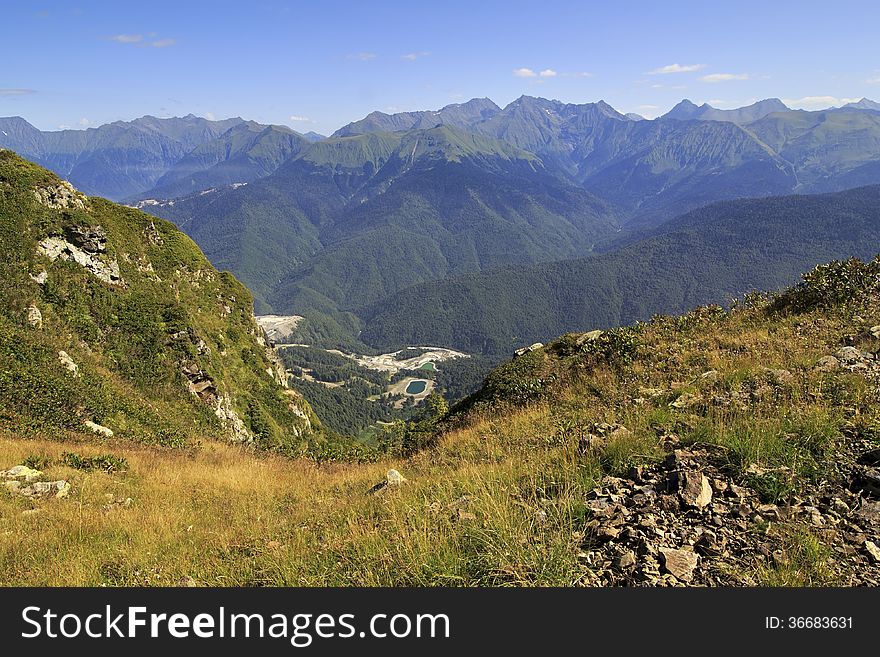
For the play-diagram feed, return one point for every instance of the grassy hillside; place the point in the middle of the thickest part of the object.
(566, 469)
(111, 317)
(707, 256)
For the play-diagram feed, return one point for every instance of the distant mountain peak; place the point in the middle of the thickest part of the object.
(687, 110)
(864, 103)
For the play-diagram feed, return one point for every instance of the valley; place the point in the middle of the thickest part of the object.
(360, 394)
(548, 344)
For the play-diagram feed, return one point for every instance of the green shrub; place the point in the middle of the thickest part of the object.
(105, 462)
(837, 283)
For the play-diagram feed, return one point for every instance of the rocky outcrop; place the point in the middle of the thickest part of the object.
(234, 425)
(525, 350)
(62, 196)
(23, 480)
(94, 427)
(68, 363)
(21, 473)
(34, 316)
(200, 383)
(84, 245)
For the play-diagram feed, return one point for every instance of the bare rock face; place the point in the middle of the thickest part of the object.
(91, 239)
(679, 563)
(231, 421)
(34, 316)
(62, 196)
(694, 489)
(201, 383)
(59, 247)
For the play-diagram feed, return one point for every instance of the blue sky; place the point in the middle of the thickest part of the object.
(317, 65)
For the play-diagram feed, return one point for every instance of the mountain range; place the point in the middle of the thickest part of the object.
(391, 214)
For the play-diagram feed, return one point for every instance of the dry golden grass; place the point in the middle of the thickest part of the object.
(225, 515)
(498, 501)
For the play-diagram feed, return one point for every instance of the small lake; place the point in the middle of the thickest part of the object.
(416, 387)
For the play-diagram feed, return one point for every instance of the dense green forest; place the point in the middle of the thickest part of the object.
(709, 255)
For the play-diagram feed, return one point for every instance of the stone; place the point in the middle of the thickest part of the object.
(679, 563)
(694, 489)
(21, 473)
(231, 421)
(58, 247)
(98, 429)
(606, 533)
(69, 364)
(589, 337)
(686, 400)
(45, 489)
(669, 503)
(848, 354)
(625, 561)
(62, 196)
(525, 350)
(600, 434)
(709, 544)
(711, 376)
(91, 239)
(873, 551)
(34, 316)
(780, 375)
(828, 364)
(39, 279)
(394, 478)
(875, 331)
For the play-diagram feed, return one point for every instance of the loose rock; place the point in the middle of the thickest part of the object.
(694, 489)
(679, 563)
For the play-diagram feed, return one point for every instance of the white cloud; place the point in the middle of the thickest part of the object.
(127, 38)
(724, 77)
(303, 119)
(16, 92)
(363, 56)
(648, 111)
(139, 40)
(84, 122)
(524, 73)
(676, 68)
(413, 56)
(817, 102)
(547, 73)
(210, 116)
